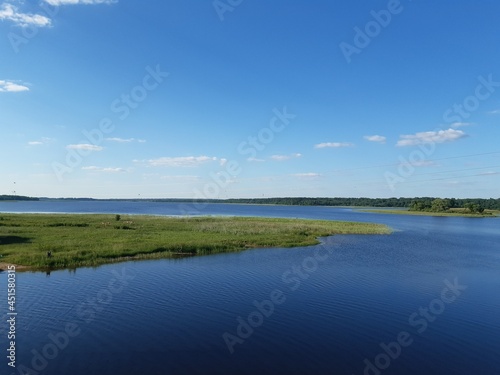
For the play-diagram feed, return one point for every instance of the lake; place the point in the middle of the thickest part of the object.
(423, 300)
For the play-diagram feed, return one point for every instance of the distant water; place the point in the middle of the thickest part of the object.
(169, 316)
(167, 208)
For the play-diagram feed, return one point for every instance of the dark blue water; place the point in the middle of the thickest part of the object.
(429, 294)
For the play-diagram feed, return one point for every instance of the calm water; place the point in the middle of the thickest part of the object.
(337, 303)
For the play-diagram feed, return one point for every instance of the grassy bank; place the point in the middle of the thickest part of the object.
(456, 212)
(89, 240)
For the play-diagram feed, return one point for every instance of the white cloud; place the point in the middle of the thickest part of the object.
(181, 161)
(11, 13)
(495, 112)
(9, 86)
(76, 2)
(113, 170)
(255, 159)
(333, 144)
(439, 136)
(375, 138)
(285, 157)
(106, 170)
(35, 143)
(85, 147)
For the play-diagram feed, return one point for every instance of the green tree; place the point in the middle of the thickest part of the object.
(474, 208)
(439, 205)
(453, 203)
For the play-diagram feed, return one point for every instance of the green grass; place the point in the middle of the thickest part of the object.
(90, 240)
(456, 212)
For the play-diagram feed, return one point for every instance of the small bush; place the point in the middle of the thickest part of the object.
(126, 227)
(80, 225)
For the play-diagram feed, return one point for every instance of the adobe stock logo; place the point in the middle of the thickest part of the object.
(232, 168)
(223, 6)
(427, 144)
(29, 31)
(292, 278)
(419, 321)
(57, 342)
(121, 107)
(363, 37)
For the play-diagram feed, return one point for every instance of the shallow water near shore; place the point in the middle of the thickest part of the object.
(338, 302)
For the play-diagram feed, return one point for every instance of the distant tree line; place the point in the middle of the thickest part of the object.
(423, 203)
(16, 198)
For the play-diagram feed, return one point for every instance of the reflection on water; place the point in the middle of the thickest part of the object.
(353, 305)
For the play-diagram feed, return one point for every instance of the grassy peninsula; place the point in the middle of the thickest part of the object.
(450, 212)
(54, 241)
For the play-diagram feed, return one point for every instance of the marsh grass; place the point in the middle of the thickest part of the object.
(89, 240)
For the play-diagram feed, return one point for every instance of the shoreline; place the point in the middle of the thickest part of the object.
(428, 213)
(4, 266)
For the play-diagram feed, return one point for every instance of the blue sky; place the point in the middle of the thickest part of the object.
(230, 98)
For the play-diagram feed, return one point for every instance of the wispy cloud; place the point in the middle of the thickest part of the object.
(180, 161)
(333, 145)
(10, 86)
(125, 140)
(180, 178)
(495, 112)
(106, 170)
(420, 163)
(285, 157)
(85, 147)
(310, 175)
(460, 124)
(43, 141)
(489, 173)
(440, 136)
(9, 12)
(375, 138)
(76, 2)
(255, 160)
(458, 183)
